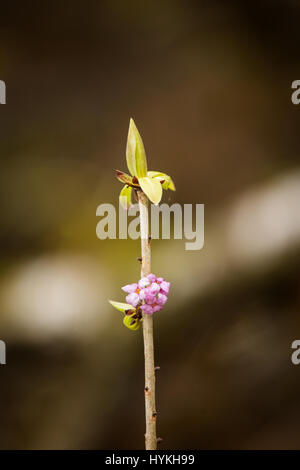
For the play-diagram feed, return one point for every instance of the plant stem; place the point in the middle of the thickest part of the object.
(150, 409)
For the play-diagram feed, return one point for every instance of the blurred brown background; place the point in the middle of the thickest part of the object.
(209, 86)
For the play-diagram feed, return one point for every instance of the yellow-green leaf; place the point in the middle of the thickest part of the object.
(152, 188)
(125, 197)
(130, 150)
(121, 306)
(140, 155)
(171, 185)
(135, 152)
(131, 323)
(167, 180)
(155, 174)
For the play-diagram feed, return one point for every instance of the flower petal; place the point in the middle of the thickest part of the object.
(154, 288)
(133, 299)
(156, 308)
(161, 299)
(142, 294)
(130, 288)
(144, 282)
(150, 299)
(165, 286)
(147, 309)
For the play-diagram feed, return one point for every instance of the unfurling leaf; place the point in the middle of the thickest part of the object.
(172, 185)
(157, 174)
(131, 323)
(121, 306)
(125, 197)
(167, 180)
(135, 152)
(123, 177)
(152, 188)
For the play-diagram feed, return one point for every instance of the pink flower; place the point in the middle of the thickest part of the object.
(144, 282)
(151, 277)
(149, 299)
(150, 294)
(142, 294)
(156, 308)
(165, 287)
(130, 288)
(133, 299)
(147, 309)
(161, 299)
(154, 288)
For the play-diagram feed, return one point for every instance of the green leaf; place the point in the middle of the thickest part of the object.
(122, 307)
(130, 150)
(152, 188)
(155, 174)
(131, 323)
(140, 156)
(125, 197)
(172, 185)
(167, 180)
(135, 152)
(162, 177)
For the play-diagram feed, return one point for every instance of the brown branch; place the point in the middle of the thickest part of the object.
(150, 409)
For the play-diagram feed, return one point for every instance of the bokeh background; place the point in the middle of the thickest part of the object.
(209, 86)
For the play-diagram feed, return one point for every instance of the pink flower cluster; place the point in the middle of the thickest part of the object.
(150, 293)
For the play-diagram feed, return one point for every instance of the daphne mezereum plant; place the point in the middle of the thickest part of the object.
(150, 293)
